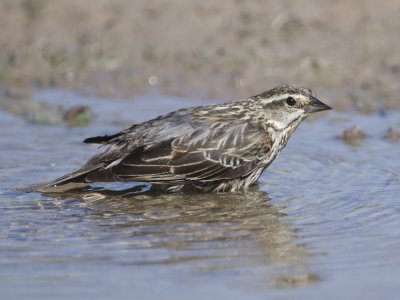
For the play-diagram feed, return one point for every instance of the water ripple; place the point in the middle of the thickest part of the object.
(322, 210)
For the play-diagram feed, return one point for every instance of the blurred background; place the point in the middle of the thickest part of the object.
(346, 51)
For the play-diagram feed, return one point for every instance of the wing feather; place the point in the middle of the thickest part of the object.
(200, 155)
(185, 145)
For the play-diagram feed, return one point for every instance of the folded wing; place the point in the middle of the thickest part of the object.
(175, 153)
(205, 154)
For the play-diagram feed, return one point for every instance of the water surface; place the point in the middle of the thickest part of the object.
(323, 220)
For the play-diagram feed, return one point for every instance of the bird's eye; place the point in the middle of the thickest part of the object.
(290, 101)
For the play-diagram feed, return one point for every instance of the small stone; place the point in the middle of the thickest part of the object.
(392, 135)
(78, 116)
(353, 136)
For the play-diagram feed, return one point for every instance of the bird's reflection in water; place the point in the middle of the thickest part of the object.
(212, 232)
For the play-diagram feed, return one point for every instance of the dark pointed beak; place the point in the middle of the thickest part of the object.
(315, 105)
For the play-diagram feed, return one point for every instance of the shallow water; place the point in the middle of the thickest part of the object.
(323, 220)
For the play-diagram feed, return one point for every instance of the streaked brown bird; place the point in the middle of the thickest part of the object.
(219, 148)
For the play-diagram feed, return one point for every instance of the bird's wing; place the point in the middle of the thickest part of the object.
(147, 136)
(208, 153)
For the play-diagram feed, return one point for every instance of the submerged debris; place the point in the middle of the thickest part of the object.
(353, 136)
(392, 134)
(301, 280)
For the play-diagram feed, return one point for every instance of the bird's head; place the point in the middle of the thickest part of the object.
(287, 106)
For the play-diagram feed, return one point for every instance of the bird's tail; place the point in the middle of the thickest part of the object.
(78, 179)
(67, 182)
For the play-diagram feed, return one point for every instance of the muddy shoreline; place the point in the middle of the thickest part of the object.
(347, 52)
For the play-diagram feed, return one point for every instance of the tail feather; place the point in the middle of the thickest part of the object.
(102, 139)
(78, 179)
(48, 188)
(67, 182)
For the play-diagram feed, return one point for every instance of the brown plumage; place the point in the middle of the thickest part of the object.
(222, 147)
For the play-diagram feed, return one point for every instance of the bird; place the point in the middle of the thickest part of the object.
(214, 148)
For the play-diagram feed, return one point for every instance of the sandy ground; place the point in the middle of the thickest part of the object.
(348, 52)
